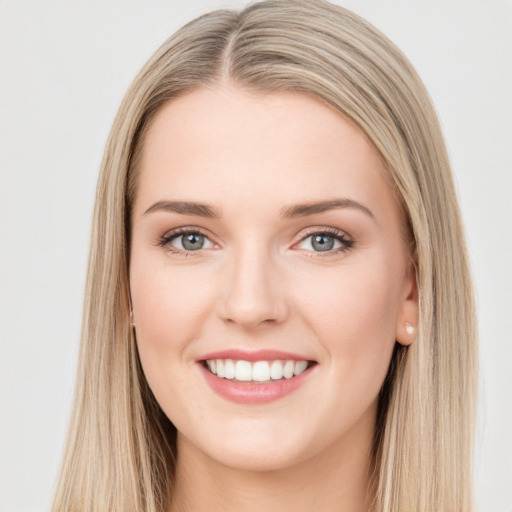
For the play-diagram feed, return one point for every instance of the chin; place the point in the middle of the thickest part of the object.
(245, 447)
(252, 458)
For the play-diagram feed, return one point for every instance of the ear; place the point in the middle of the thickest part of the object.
(408, 312)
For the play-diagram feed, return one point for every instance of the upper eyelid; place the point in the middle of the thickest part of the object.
(332, 231)
(176, 232)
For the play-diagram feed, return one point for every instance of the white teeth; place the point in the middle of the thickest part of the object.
(299, 367)
(259, 371)
(276, 370)
(220, 368)
(288, 369)
(243, 371)
(229, 369)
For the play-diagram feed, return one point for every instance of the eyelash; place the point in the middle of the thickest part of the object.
(346, 243)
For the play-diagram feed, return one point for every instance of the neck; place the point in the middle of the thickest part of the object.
(334, 480)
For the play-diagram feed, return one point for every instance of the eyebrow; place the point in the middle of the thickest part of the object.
(186, 208)
(287, 212)
(304, 209)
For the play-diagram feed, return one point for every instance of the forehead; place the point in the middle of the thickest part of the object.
(241, 149)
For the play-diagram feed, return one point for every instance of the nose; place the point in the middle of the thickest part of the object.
(253, 293)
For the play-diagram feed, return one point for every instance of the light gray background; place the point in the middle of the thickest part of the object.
(65, 66)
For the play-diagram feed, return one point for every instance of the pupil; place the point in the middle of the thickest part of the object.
(323, 243)
(192, 241)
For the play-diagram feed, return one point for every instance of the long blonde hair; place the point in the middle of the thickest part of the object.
(120, 453)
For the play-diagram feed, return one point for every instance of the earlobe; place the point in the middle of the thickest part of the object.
(407, 318)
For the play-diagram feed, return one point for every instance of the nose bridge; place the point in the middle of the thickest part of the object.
(253, 292)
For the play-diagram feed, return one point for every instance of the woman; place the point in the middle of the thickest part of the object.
(278, 312)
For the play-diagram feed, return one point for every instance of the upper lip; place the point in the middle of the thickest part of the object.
(253, 355)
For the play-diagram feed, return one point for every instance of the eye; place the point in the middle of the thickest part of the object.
(185, 240)
(326, 242)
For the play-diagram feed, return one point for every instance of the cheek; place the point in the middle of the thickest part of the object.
(356, 302)
(354, 318)
(168, 305)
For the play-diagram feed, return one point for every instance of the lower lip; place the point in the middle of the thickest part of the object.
(249, 393)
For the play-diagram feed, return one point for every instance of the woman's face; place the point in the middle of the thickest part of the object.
(293, 251)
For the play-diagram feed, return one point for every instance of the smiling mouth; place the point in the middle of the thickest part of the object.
(254, 372)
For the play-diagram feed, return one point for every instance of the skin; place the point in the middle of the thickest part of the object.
(259, 283)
